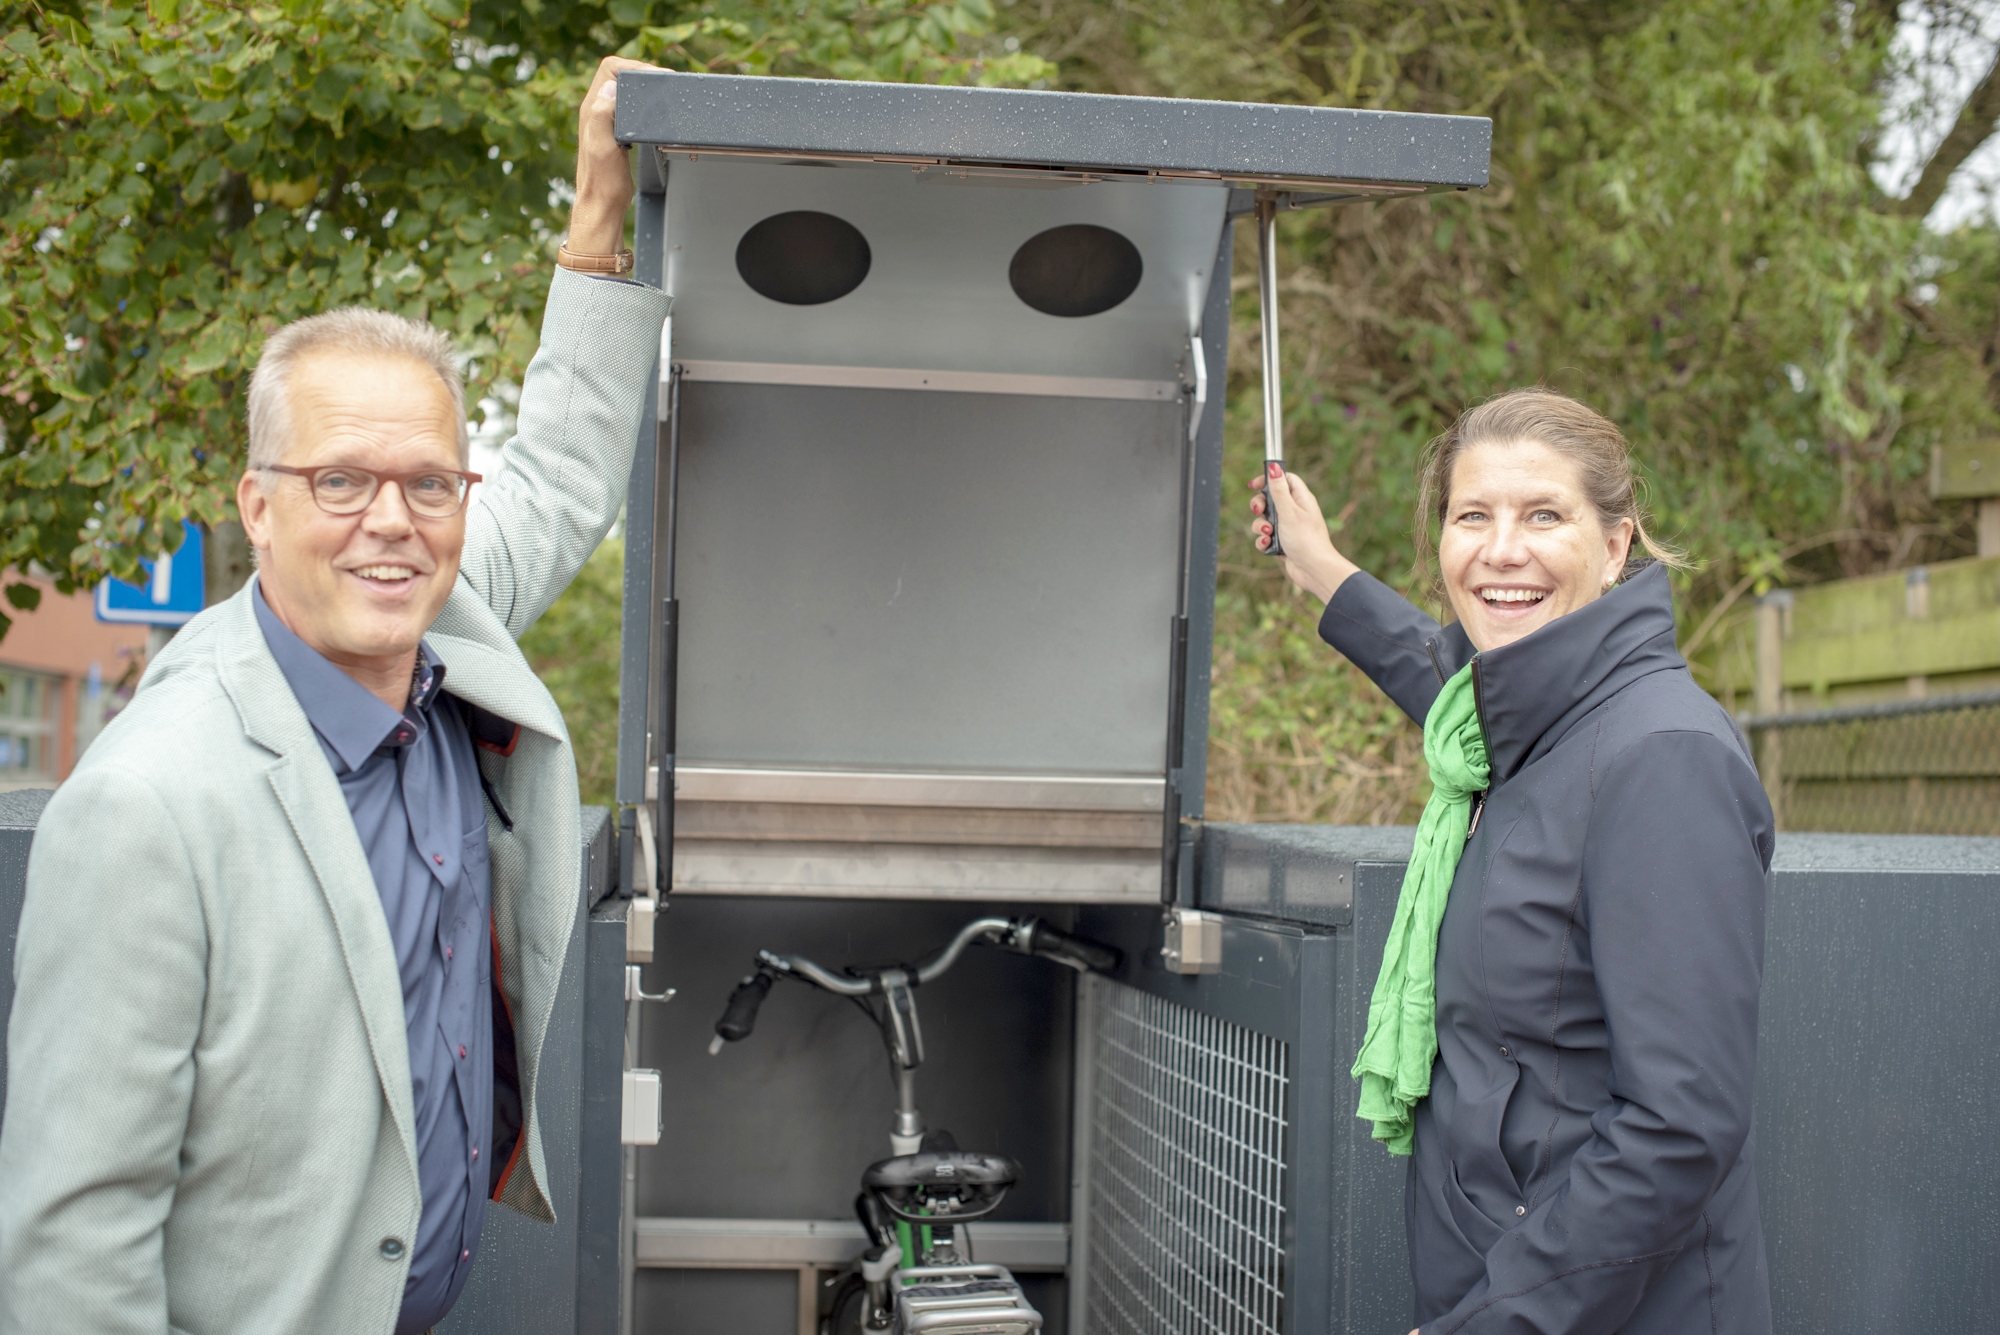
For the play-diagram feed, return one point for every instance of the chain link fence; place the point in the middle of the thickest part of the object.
(1905, 767)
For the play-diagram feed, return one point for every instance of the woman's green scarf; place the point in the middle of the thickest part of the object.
(1396, 1055)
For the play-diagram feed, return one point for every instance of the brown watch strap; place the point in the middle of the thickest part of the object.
(620, 263)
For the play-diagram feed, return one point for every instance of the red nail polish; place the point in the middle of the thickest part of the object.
(1273, 469)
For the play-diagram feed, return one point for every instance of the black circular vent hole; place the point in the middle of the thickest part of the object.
(1078, 270)
(803, 258)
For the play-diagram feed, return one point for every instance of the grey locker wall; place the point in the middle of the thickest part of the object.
(19, 810)
(1877, 1069)
(533, 1277)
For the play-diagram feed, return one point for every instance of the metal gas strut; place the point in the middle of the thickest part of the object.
(1267, 312)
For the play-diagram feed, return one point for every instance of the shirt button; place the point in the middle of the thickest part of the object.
(475, 1151)
(447, 952)
(461, 1049)
(1503, 1052)
(392, 1249)
(1520, 1210)
(465, 1255)
(438, 858)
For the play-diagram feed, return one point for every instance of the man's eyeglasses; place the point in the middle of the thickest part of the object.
(345, 489)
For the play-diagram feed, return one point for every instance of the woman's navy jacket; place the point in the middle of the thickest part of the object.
(1583, 1162)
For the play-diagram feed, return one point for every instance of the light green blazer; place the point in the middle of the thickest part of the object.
(208, 1124)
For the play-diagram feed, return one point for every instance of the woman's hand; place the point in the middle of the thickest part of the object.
(1310, 559)
(603, 169)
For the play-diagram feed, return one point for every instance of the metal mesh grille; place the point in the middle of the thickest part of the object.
(1187, 1170)
(1917, 767)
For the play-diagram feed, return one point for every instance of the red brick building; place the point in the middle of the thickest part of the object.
(63, 674)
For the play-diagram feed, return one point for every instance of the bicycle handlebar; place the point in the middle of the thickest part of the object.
(739, 1017)
(1029, 936)
(967, 934)
(1054, 943)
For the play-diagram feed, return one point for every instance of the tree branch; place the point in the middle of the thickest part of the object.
(1974, 125)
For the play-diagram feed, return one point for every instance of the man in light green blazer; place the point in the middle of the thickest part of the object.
(211, 1123)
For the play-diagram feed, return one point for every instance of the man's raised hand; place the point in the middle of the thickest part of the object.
(603, 170)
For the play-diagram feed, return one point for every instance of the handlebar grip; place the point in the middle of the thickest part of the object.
(739, 1017)
(1090, 954)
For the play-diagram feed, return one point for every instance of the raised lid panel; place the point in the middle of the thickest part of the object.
(1230, 140)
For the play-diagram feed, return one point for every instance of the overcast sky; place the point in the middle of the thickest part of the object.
(1943, 59)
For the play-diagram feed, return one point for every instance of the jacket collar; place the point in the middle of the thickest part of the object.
(346, 714)
(1531, 692)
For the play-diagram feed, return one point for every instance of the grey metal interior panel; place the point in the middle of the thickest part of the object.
(878, 578)
(712, 1302)
(936, 296)
(991, 125)
(19, 810)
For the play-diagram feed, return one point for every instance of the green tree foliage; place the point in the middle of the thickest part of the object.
(1681, 229)
(178, 180)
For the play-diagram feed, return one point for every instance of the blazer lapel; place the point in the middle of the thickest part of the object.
(317, 812)
(494, 681)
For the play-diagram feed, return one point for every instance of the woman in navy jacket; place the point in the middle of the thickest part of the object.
(1583, 1161)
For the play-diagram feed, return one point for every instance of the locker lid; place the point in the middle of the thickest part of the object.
(1325, 152)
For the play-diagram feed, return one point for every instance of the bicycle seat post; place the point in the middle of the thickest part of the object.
(907, 1045)
(908, 1137)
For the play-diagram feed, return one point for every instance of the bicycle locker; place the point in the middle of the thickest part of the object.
(921, 556)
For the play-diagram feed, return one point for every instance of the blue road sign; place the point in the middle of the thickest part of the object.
(171, 595)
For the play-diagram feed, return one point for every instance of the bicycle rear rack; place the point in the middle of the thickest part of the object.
(962, 1300)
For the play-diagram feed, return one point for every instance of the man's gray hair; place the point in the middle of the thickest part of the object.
(350, 329)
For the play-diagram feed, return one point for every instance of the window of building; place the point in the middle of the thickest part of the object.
(27, 727)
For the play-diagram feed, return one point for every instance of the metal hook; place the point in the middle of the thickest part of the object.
(635, 990)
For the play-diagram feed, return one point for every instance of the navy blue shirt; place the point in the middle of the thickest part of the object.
(411, 780)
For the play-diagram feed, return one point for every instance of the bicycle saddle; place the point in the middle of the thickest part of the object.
(942, 1186)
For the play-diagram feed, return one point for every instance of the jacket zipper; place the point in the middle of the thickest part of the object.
(1479, 709)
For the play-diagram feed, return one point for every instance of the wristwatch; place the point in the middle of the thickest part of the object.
(620, 263)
